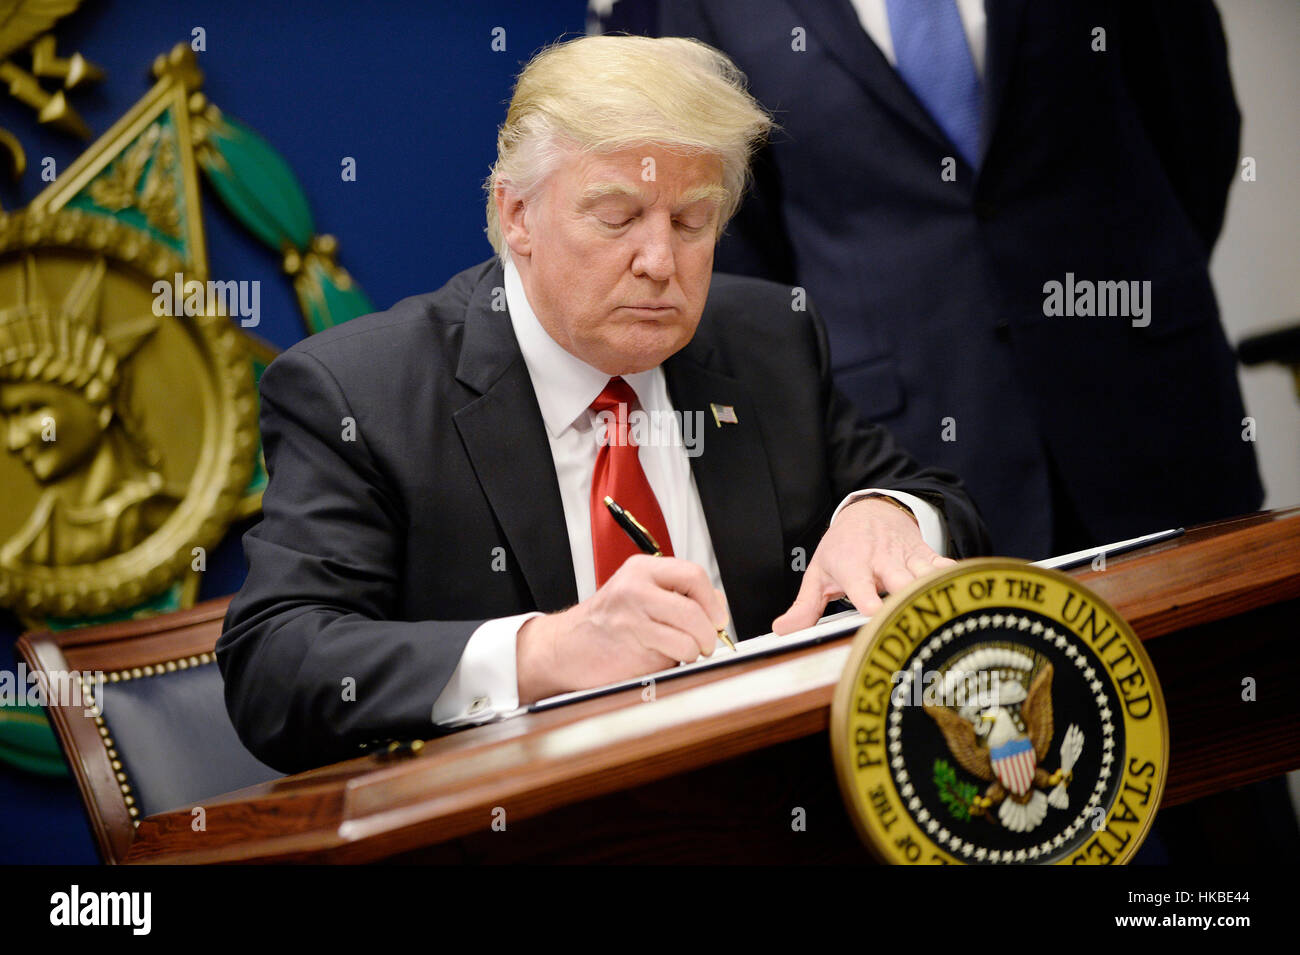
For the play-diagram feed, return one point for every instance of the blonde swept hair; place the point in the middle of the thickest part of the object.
(603, 93)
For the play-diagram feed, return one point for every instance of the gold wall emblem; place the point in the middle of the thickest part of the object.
(129, 436)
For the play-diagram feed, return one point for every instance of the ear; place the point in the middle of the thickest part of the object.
(512, 213)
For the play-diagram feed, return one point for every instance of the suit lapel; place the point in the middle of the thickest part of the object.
(839, 30)
(735, 484)
(506, 441)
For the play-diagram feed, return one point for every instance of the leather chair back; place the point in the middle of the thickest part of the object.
(154, 735)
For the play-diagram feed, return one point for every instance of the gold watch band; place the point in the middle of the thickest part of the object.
(894, 501)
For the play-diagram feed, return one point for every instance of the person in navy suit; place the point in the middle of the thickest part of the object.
(1005, 211)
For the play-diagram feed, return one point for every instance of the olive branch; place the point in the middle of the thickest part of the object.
(958, 796)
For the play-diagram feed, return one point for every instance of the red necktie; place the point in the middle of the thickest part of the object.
(618, 474)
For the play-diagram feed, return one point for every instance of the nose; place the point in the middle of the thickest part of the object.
(655, 258)
(16, 436)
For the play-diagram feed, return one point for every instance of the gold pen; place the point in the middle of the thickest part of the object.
(645, 541)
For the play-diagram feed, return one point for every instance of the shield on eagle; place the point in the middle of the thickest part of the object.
(1014, 763)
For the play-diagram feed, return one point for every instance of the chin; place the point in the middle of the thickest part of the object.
(647, 354)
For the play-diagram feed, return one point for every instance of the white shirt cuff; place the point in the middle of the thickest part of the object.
(484, 684)
(934, 529)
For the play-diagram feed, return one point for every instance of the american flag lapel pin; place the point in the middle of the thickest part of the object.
(723, 414)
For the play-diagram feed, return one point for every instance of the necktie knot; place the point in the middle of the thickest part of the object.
(617, 392)
(612, 407)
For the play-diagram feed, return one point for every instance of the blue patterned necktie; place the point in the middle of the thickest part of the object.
(934, 59)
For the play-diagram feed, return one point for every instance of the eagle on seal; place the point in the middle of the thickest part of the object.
(990, 746)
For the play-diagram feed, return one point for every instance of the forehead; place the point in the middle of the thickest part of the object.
(645, 171)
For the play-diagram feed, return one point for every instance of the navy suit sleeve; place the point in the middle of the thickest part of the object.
(315, 668)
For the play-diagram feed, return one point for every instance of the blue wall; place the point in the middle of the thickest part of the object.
(413, 91)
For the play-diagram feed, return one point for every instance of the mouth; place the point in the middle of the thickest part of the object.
(651, 308)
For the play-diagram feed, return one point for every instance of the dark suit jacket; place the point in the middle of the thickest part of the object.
(1111, 165)
(407, 456)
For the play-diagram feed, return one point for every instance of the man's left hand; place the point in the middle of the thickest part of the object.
(871, 547)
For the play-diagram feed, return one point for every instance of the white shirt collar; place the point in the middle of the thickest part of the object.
(565, 384)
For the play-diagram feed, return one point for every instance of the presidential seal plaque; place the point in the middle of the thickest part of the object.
(999, 713)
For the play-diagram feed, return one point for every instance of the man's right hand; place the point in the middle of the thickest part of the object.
(653, 613)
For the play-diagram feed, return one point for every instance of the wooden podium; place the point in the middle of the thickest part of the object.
(733, 765)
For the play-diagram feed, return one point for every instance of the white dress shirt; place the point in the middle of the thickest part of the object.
(485, 683)
(875, 20)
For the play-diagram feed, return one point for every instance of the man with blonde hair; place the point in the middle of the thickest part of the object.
(435, 528)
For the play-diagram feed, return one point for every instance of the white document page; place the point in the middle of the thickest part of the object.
(829, 627)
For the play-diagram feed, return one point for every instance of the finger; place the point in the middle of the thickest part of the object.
(920, 565)
(943, 561)
(807, 607)
(862, 592)
(677, 646)
(893, 576)
(650, 660)
(678, 611)
(673, 573)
